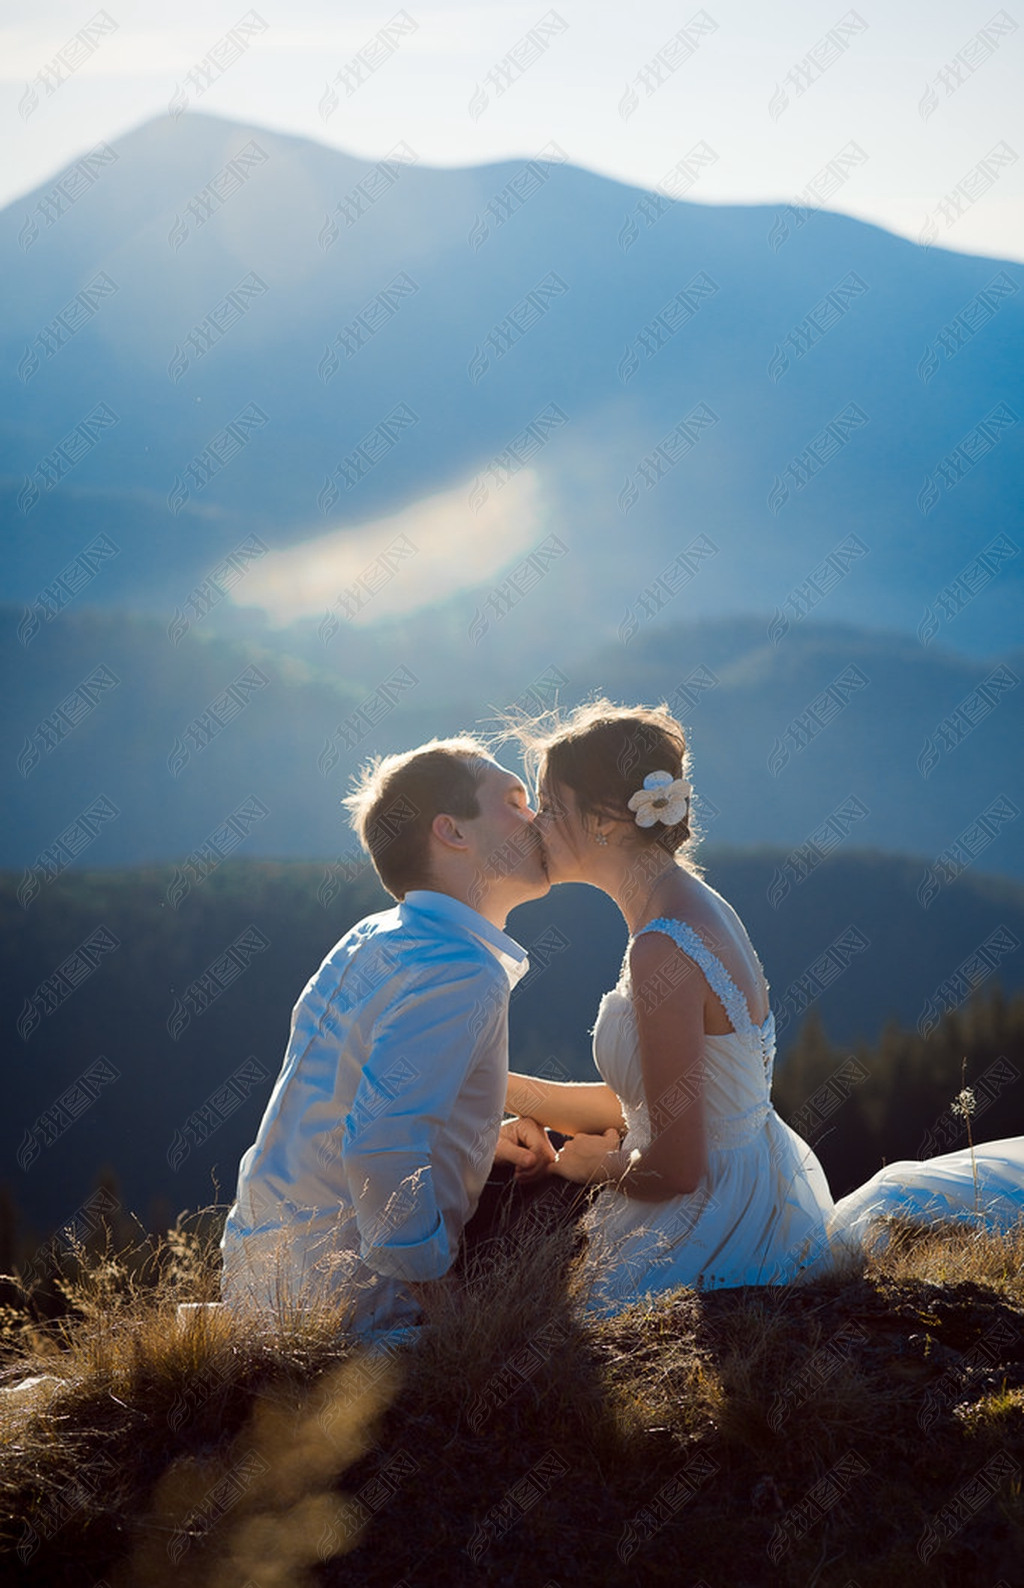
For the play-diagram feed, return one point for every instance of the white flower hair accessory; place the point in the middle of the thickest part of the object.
(663, 798)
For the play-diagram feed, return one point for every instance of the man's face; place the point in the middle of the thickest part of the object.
(507, 849)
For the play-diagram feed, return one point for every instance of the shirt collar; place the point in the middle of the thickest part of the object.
(443, 907)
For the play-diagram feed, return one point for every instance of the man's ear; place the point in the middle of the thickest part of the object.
(448, 832)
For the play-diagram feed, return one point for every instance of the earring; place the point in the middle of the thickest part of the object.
(601, 838)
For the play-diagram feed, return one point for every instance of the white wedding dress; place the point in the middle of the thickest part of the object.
(764, 1214)
(945, 1188)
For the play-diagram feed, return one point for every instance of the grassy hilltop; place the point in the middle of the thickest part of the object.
(867, 1431)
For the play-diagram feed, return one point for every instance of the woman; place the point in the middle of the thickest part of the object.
(701, 1182)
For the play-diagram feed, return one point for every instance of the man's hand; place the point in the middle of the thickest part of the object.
(524, 1143)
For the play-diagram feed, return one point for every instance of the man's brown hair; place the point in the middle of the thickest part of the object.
(396, 798)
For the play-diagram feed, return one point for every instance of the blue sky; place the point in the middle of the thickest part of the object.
(917, 105)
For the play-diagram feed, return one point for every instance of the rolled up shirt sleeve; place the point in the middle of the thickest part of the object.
(424, 1047)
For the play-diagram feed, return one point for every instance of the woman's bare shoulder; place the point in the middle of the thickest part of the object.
(721, 930)
(705, 911)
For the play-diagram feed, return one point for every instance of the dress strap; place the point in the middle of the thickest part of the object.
(719, 980)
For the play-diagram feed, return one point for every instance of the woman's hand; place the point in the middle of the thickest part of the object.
(585, 1159)
(525, 1143)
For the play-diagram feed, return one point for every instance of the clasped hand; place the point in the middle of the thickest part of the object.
(584, 1159)
(525, 1143)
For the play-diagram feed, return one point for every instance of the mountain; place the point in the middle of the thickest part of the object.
(834, 736)
(214, 332)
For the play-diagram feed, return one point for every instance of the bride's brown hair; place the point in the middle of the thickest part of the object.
(603, 752)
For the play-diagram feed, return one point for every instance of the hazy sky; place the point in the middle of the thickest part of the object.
(924, 96)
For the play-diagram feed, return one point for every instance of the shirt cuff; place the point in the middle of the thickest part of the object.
(415, 1261)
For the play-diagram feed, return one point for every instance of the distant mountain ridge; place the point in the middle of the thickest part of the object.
(206, 328)
(833, 736)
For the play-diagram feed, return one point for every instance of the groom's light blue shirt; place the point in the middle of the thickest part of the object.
(382, 1125)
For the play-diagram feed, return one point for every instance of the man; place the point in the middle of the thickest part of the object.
(386, 1117)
